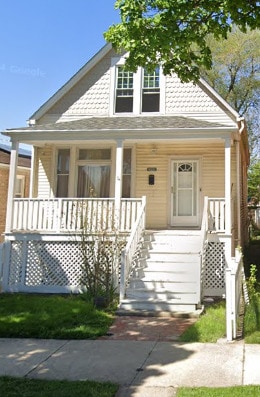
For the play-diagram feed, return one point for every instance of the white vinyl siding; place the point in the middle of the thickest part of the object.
(45, 172)
(212, 175)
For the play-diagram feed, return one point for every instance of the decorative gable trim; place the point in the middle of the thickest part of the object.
(221, 102)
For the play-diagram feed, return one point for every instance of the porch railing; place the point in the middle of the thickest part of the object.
(71, 214)
(131, 249)
(216, 214)
(234, 288)
(203, 241)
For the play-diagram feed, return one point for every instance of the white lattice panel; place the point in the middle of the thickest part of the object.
(53, 263)
(15, 272)
(58, 265)
(214, 272)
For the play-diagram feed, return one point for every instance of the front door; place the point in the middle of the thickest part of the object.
(184, 193)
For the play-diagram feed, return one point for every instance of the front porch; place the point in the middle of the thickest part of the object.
(42, 249)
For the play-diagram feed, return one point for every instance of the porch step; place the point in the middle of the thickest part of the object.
(167, 277)
(146, 307)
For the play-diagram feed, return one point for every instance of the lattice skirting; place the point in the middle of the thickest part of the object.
(53, 266)
(214, 272)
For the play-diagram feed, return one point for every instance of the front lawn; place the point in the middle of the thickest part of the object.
(16, 387)
(252, 320)
(210, 327)
(51, 317)
(238, 391)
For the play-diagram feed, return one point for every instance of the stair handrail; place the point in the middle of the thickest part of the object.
(203, 242)
(131, 248)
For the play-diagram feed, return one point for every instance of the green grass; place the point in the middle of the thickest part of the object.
(238, 391)
(252, 321)
(210, 327)
(51, 317)
(16, 387)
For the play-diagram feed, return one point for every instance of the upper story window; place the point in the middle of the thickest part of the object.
(137, 92)
(151, 91)
(124, 91)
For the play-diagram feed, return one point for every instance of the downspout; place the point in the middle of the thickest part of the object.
(241, 129)
(238, 193)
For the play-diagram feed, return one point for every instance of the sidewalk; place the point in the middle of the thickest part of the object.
(142, 368)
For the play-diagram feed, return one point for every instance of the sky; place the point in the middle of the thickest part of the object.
(43, 43)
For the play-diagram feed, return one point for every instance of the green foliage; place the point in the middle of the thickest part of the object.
(174, 33)
(210, 326)
(15, 387)
(252, 320)
(251, 282)
(51, 316)
(254, 181)
(236, 391)
(235, 76)
(100, 264)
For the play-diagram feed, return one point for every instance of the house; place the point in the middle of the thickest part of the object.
(162, 163)
(22, 179)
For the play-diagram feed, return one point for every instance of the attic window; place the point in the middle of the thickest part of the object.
(124, 91)
(151, 91)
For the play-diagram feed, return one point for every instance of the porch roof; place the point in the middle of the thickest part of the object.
(123, 123)
(122, 128)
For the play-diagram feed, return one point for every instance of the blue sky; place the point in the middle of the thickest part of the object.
(42, 44)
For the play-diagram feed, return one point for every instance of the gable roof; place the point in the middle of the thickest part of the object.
(70, 83)
(93, 61)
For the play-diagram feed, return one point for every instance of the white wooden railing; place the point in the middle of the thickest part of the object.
(216, 214)
(203, 240)
(71, 214)
(127, 256)
(234, 289)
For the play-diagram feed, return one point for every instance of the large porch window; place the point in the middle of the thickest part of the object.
(94, 172)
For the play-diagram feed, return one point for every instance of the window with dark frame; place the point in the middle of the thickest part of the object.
(151, 91)
(124, 91)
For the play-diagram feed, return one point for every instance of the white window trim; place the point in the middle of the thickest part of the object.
(137, 104)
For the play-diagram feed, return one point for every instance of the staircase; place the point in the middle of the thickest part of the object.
(167, 276)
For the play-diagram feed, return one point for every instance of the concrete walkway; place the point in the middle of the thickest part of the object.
(142, 368)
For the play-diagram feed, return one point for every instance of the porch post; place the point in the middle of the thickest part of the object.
(228, 247)
(118, 181)
(11, 186)
(228, 184)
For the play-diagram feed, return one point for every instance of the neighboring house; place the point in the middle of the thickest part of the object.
(161, 162)
(22, 180)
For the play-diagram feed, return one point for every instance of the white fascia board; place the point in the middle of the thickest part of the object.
(138, 134)
(221, 101)
(69, 84)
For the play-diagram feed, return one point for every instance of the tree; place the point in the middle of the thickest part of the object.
(173, 33)
(254, 182)
(235, 75)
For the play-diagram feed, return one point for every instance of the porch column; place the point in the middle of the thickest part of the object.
(228, 184)
(228, 242)
(118, 180)
(11, 186)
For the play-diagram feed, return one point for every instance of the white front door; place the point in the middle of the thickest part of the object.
(184, 193)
